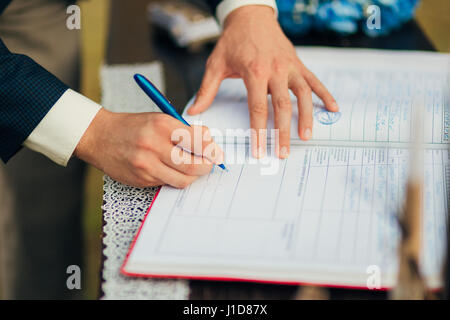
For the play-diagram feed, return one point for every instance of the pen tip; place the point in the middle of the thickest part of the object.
(223, 167)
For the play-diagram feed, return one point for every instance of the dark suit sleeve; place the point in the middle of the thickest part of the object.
(27, 93)
(213, 5)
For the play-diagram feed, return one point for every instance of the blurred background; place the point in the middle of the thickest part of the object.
(433, 17)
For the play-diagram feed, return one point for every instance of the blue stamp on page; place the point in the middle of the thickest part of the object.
(327, 117)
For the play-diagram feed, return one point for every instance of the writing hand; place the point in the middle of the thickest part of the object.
(142, 150)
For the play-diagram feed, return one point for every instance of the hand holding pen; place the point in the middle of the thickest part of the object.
(141, 149)
(161, 101)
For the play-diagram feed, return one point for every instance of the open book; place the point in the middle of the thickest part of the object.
(328, 214)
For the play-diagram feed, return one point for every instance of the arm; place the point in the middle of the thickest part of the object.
(27, 93)
(267, 62)
(39, 111)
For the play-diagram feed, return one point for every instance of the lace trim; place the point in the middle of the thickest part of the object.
(124, 209)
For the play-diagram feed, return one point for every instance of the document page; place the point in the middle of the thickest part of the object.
(324, 215)
(376, 91)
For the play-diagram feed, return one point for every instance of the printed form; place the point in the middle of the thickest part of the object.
(328, 213)
(376, 91)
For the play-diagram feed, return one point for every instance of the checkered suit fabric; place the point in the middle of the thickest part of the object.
(27, 93)
(213, 4)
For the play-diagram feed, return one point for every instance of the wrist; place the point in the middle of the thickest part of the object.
(91, 141)
(250, 13)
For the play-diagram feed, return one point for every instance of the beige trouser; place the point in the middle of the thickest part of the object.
(40, 202)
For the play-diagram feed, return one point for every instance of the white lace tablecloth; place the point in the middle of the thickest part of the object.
(124, 209)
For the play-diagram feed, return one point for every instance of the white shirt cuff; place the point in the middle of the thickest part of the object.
(226, 6)
(59, 132)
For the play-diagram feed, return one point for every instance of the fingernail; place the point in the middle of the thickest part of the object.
(219, 156)
(284, 153)
(335, 105)
(259, 152)
(255, 153)
(207, 136)
(307, 134)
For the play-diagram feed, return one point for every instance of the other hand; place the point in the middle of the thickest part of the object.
(253, 47)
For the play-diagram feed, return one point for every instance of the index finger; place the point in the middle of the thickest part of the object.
(198, 141)
(321, 91)
(208, 90)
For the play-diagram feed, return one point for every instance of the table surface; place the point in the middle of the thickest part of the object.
(133, 40)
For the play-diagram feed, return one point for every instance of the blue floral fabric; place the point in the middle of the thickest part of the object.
(373, 17)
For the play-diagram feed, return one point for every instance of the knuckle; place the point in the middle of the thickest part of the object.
(300, 66)
(283, 104)
(294, 61)
(257, 68)
(304, 89)
(212, 63)
(279, 67)
(202, 91)
(160, 121)
(142, 141)
(308, 74)
(259, 109)
(284, 131)
(138, 161)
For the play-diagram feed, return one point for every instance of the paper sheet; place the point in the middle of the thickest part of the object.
(376, 91)
(325, 206)
(328, 212)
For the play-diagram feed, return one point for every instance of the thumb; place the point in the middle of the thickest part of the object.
(207, 92)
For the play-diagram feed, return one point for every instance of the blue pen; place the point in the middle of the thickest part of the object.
(160, 100)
